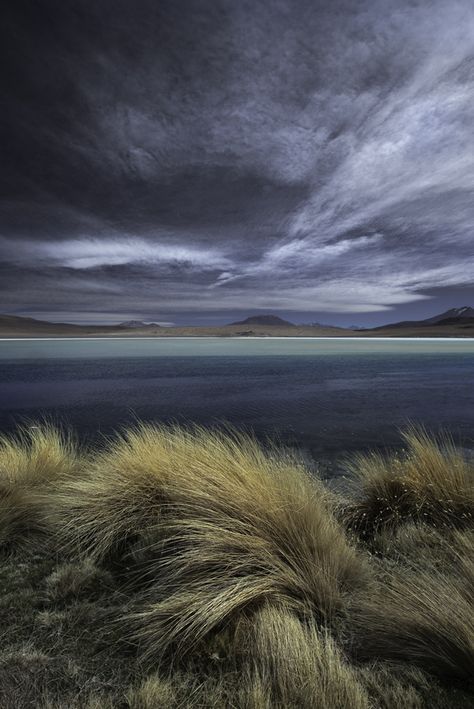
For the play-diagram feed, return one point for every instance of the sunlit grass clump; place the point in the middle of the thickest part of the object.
(429, 482)
(224, 525)
(186, 567)
(30, 465)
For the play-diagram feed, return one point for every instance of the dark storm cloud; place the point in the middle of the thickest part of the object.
(191, 156)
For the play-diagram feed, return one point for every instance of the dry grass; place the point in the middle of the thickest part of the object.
(222, 524)
(192, 568)
(277, 663)
(30, 464)
(423, 618)
(430, 482)
(298, 664)
(37, 455)
(57, 649)
(422, 547)
(395, 686)
(280, 664)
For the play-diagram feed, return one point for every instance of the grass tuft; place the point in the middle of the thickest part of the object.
(422, 618)
(30, 463)
(37, 455)
(298, 664)
(235, 526)
(430, 482)
(75, 580)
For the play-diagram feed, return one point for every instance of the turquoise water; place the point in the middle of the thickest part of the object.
(322, 395)
(222, 346)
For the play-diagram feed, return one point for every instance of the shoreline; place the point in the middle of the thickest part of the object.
(237, 337)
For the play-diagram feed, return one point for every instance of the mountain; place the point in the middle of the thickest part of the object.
(15, 325)
(16, 322)
(457, 322)
(458, 314)
(272, 320)
(138, 323)
(455, 316)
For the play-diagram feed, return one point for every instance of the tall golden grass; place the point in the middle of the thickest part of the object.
(223, 525)
(424, 618)
(238, 580)
(30, 463)
(429, 482)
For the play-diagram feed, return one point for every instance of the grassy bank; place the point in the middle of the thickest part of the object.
(189, 568)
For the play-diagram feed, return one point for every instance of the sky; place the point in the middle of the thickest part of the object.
(198, 161)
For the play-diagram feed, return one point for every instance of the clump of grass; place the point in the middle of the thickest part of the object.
(192, 690)
(155, 691)
(213, 525)
(430, 482)
(277, 662)
(423, 547)
(296, 663)
(424, 618)
(25, 674)
(77, 579)
(29, 464)
(391, 686)
(37, 455)
(121, 495)
(57, 650)
(17, 515)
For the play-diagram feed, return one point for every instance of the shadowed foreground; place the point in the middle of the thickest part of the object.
(192, 568)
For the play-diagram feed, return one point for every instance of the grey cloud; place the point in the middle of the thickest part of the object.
(213, 155)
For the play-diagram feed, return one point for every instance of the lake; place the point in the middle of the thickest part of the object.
(326, 396)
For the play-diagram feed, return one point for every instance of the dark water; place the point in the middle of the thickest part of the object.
(323, 396)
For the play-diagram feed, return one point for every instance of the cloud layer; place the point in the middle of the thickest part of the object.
(191, 160)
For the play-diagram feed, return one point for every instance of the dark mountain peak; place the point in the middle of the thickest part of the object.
(449, 317)
(464, 312)
(272, 320)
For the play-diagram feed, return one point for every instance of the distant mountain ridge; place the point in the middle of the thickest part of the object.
(272, 320)
(454, 316)
(31, 323)
(456, 322)
(19, 321)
